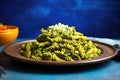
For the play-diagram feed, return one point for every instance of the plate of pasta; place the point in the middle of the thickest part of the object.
(60, 45)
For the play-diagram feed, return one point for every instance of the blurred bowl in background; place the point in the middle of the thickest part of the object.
(8, 34)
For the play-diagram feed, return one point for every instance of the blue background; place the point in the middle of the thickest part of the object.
(96, 18)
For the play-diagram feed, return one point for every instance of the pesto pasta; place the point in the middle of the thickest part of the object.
(60, 43)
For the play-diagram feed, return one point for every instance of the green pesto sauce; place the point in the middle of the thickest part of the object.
(60, 43)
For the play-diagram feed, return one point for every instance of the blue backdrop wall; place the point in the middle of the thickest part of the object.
(97, 18)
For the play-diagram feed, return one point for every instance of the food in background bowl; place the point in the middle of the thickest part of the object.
(8, 34)
(60, 43)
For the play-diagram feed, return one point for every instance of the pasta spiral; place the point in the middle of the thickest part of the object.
(60, 43)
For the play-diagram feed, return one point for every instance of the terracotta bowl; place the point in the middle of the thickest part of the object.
(8, 35)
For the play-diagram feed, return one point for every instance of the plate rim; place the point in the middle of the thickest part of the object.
(66, 63)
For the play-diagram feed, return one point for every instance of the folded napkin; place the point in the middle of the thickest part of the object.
(112, 42)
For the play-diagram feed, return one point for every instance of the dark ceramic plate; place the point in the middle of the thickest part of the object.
(108, 52)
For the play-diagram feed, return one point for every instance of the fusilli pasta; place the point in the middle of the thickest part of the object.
(60, 43)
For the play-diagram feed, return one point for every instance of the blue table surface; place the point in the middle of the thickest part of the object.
(109, 70)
